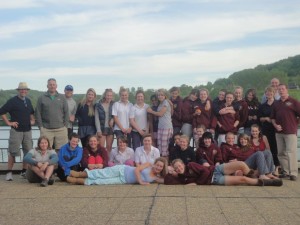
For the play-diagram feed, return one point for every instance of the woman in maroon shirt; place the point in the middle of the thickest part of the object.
(94, 155)
(208, 150)
(245, 152)
(260, 143)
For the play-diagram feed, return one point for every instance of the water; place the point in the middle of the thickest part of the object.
(4, 135)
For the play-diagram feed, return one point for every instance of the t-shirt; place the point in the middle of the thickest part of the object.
(118, 157)
(141, 156)
(165, 121)
(72, 109)
(122, 111)
(19, 112)
(139, 114)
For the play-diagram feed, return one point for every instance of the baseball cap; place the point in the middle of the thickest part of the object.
(69, 88)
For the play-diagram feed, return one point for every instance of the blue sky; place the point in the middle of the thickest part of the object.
(134, 43)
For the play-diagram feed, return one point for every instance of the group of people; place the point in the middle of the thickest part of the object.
(238, 140)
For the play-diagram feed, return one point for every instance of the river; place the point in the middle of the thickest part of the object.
(4, 135)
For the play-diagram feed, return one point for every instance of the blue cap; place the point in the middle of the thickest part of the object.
(69, 88)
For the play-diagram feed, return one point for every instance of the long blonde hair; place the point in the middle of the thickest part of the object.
(91, 106)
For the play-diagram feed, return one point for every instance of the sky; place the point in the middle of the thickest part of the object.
(141, 43)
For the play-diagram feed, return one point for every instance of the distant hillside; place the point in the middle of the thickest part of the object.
(286, 70)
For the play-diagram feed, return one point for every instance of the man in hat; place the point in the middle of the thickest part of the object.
(21, 119)
(52, 115)
(72, 107)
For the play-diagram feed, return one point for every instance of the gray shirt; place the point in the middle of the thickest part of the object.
(165, 121)
(71, 109)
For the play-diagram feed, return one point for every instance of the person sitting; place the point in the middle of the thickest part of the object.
(184, 152)
(94, 155)
(146, 153)
(41, 162)
(122, 174)
(69, 157)
(245, 152)
(208, 151)
(121, 154)
(196, 174)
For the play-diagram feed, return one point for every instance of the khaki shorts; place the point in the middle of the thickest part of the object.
(18, 138)
(57, 136)
(32, 177)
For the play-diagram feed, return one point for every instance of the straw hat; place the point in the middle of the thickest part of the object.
(23, 85)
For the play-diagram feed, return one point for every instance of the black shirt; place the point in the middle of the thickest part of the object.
(186, 156)
(19, 112)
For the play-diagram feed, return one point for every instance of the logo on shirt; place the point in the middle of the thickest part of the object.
(288, 104)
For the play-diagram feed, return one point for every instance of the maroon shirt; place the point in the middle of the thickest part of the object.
(211, 154)
(206, 118)
(176, 117)
(227, 121)
(285, 114)
(231, 152)
(88, 152)
(243, 112)
(194, 173)
(187, 110)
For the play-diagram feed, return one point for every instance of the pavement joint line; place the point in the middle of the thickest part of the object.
(177, 196)
(109, 220)
(257, 210)
(186, 209)
(222, 211)
(151, 206)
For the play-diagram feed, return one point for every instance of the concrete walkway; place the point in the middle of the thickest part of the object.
(23, 203)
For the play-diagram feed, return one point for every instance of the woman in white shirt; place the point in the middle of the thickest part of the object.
(139, 120)
(120, 112)
(146, 153)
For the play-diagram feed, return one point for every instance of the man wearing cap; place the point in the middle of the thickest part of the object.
(52, 115)
(72, 107)
(21, 119)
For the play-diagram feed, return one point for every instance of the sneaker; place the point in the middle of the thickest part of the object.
(284, 175)
(293, 178)
(44, 183)
(51, 181)
(9, 176)
(23, 175)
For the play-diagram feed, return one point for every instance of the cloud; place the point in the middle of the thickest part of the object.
(13, 4)
(164, 42)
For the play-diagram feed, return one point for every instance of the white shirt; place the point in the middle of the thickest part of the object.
(141, 156)
(118, 157)
(139, 114)
(122, 110)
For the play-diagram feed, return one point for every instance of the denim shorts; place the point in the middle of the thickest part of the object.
(218, 175)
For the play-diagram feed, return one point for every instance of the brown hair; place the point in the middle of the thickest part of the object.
(123, 139)
(139, 92)
(244, 136)
(164, 172)
(174, 89)
(105, 92)
(40, 140)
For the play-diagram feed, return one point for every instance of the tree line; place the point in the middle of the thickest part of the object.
(286, 70)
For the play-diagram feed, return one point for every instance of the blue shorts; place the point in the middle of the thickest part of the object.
(218, 175)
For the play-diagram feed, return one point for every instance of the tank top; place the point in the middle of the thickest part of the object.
(261, 146)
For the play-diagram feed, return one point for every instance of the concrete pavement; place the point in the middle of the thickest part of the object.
(24, 203)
